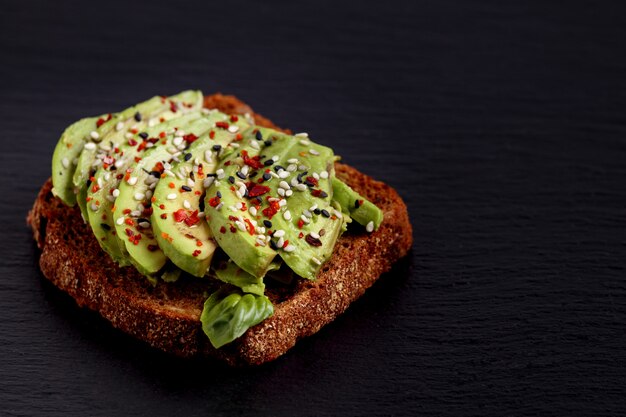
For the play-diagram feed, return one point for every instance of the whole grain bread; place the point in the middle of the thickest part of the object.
(167, 316)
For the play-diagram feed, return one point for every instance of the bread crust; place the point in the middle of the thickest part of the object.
(167, 316)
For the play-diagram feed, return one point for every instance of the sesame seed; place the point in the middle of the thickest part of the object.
(282, 203)
(307, 213)
(267, 176)
(179, 133)
(304, 142)
(153, 122)
(233, 129)
(283, 184)
(370, 227)
(338, 213)
(292, 167)
(301, 187)
(313, 152)
(190, 182)
(280, 242)
(302, 135)
(241, 175)
(65, 162)
(208, 155)
(317, 261)
(313, 207)
(316, 176)
(241, 226)
(254, 144)
(219, 206)
(292, 161)
(324, 174)
(288, 193)
(325, 213)
(232, 208)
(94, 135)
(258, 135)
(143, 135)
(119, 126)
(281, 192)
(217, 147)
(278, 233)
(253, 211)
(220, 174)
(136, 213)
(90, 146)
(171, 196)
(143, 225)
(139, 196)
(305, 219)
(289, 248)
(94, 207)
(267, 223)
(239, 205)
(186, 204)
(115, 193)
(128, 135)
(283, 174)
(287, 215)
(238, 194)
(137, 116)
(201, 214)
(314, 235)
(132, 180)
(120, 221)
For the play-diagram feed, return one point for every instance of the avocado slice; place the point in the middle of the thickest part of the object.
(66, 155)
(103, 190)
(135, 202)
(227, 271)
(352, 203)
(257, 208)
(121, 127)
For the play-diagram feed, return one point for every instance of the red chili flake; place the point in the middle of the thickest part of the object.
(95, 188)
(142, 146)
(301, 235)
(162, 206)
(129, 232)
(198, 243)
(232, 218)
(254, 162)
(134, 131)
(197, 193)
(300, 223)
(222, 125)
(129, 221)
(173, 107)
(222, 229)
(312, 180)
(192, 219)
(137, 159)
(211, 134)
(213, 202)
(162, 135)
(271, 210)
(319, 193)
(99, 122)
(233, 229)
(196, 252)
(126, 211)
(147, 212)
(180, 215)
(190, 138)
(153, 199)
(257, 190)
(234, 118)
(238, 137)
(243, 206)
(152, 248)
(164, 216)
(249, 226)
(285, 244)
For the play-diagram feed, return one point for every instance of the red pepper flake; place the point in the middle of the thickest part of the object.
(196, 252)
(213, 202)
(270, 211)
(249, 226)
(190, 138)
(95, 188)
(319, 193)
(164, 216)
(173, 107)
(232, 218)
(255, 190)
(162, 135)
(134, 131)
(238, 137)
(171, 185)
(301, 235)
(198, 243)
(180, 215)
(152, 248)
(285, 244)
(234, 118)
(212, 134)
(129, 221)
(126, 211)
(254, 162)
(312, 180)
(128, 232)
(153, 199)
(197, 193)
(300, 223)
(222, 230)
(233, 229)
(221, 125)
(101, 120)
(142, 146)
(243, 206)
(162, 206)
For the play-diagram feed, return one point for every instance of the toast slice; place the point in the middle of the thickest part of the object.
(167, 316)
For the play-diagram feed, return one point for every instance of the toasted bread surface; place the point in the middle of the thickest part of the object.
(167, 316)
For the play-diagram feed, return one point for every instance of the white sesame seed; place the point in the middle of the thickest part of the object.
(143, 225)
(254, 144)
(232, 208)
(273, 199)
(289, 248)
(273, 174)
(128, 135)
(201, 214)
(208, 156)
(238, 194)
(283, 174)
(208, 181)
(307, 213)
(282, 203)
(241, 226)
(119, 126)
(292, 161)
(304, 142)
(313, 207)
(190, 182)
(233, 129)
(279, 233)
(120, 221)
(179, 133)
(369, 227)
(316, 176)
(292, 167)
(245, 170)
(171, 150)
(302, 167)
(287, 215)
(111, 198)
(253, 210)
(275, 158)
(313, 152)
(317, 261)
(242, 190)
(324, 174)
(132, 180)
(233, 145)
(94, 207)
(220, 173)
(171, 196)
(139, 196)
(115, 193)
(65, 162)
(281, 192)
(314, 235)
(94, 135)
(169, 173)
(219, 206)
(152, 122)
(239, 205)
(288, 193)
(186, 204)
(280, 242)
(300, 187)
(302, 135)
(136, 213)
(99, 182)
(90, 146)
(283, 184)
(305, 219)
(338, 213)
(177, 141)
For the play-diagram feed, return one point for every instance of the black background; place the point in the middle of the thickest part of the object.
(502, 125)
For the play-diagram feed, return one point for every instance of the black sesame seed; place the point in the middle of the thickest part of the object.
(231, 179)
(142, 220)
(268, 162)
(268, 143)
(186, 188)
(138, 117)
(241, 175)
(105, 226)
(155, 174)
(211, 175)
(267, 176)
(253, 174)
(187, 156)
(218, 194)
(259, 199)
(323, 194)
(193, 177)
(143, 135)
(325, 213)
(300, 175)
(217, 147)
(258, 135)
(267, 223)
(278, 168)
(113, 168)
(317, 211)
(356, 203)
(309, 183)
(273, 245)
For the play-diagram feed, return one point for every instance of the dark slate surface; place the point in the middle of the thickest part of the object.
(503, 127)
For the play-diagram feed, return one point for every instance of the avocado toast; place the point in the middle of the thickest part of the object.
(219, 268)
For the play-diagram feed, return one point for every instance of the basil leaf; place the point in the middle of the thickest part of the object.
(228, 314)
(230, 273)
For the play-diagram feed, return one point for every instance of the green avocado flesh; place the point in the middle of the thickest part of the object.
(165, 185)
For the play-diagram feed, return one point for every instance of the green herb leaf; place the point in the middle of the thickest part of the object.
(228, 314)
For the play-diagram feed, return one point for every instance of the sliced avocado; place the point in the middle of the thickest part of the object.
(233, 226)
(135, 202)
(227, 271)
(122, 127)
(67, 151)
(264, 208)
(360, 209)
(103, 191)
(184, 238)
